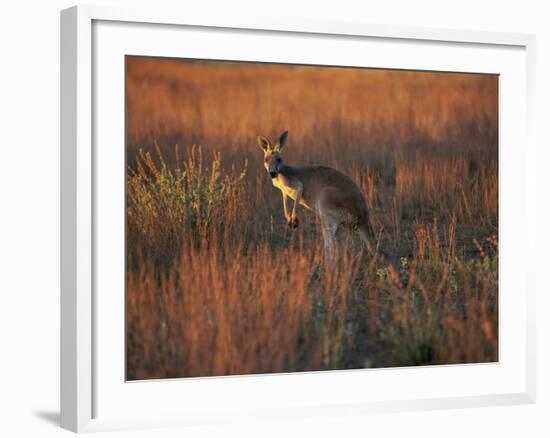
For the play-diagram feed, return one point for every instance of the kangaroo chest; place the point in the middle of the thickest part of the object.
(284, 186)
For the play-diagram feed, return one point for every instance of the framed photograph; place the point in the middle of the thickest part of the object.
(281, 218)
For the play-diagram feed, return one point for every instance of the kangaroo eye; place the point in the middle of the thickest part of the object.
(278, 160)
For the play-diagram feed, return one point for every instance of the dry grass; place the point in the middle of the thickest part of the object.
(218, 285)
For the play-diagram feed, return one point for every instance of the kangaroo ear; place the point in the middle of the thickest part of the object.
(282, 141)
(264, 143)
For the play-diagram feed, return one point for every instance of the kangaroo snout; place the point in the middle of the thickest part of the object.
(273, 174)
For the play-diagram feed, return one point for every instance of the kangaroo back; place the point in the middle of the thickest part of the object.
(337, 191)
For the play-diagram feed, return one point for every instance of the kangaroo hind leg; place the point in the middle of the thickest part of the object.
(329, 226)
(329, 223)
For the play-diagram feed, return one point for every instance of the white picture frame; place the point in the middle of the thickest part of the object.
(83, 370)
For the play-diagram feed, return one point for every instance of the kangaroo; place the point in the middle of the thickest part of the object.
(330, 194)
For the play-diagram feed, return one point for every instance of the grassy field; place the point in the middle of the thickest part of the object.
(218, 284)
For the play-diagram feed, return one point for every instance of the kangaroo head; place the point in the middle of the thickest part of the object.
(273, 161)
